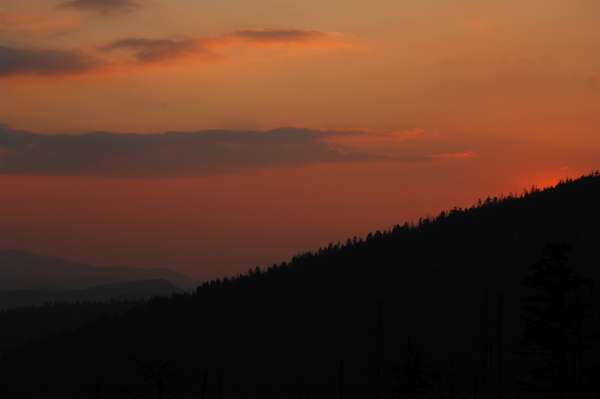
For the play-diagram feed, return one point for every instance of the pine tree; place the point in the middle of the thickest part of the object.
(559, 320)
(410, 379)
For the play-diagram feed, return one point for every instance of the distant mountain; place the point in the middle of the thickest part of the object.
(21, 270)
(349, 320)
(130, 291)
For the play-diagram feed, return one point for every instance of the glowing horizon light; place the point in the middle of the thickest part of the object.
(164, 133)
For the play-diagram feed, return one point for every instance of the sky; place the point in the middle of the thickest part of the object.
(212, 137)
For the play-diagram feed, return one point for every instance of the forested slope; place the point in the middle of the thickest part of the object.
(338, 317)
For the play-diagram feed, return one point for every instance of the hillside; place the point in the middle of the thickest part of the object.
(25, 324)
(21, 270)
(132, 290)
(59, 310)
(339, 316)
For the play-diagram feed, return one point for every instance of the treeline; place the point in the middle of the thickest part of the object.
(424, 310)
(28, 323)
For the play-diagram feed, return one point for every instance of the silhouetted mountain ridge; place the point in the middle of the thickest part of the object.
(21, 270)
(286, 332)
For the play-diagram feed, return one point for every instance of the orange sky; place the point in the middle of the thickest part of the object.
(408, 107)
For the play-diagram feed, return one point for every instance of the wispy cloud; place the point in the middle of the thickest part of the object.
(103, 6)
(156, 50)
(34, 23)
(211, 48)
(467, 154)
(278, 36)
(170, 154)
(48, 62)
(366, 138)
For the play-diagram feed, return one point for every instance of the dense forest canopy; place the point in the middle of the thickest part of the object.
(426, 309)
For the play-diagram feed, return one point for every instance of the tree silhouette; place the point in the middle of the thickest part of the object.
(162, 380)
(559, 318)
(489, 381)
(410, 379)
(377, 332)
(299, 319)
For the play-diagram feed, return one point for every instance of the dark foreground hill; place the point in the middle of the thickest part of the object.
(29, 323)
(21, 270)
(69, 309)
(132, 291)
(336, 322)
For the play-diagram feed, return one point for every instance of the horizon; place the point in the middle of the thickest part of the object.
(213, 138)
(501, 197)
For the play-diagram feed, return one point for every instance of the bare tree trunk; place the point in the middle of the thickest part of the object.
(378, 354)
(499, 346)
(97, 388)
(203, 392)
(221, 385)
(341, 380)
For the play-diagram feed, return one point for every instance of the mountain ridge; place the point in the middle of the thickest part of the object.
(333, 317)
(23, 270)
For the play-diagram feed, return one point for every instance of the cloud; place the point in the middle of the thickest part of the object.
(366, 138)
(103, 6)
(149, 50)
(47, 62)
(50, 62)
(34, 23)
(210, 48)
(278, 35)
(172, 154)
(468, 154)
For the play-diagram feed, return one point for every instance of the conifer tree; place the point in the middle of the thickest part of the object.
(410, 378)
(559, 319)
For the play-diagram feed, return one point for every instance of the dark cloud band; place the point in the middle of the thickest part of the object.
(155, 50)
(173, 153)
(209, 47)
(103, 6)
(279, 35)
(51, 62)
(18, 61)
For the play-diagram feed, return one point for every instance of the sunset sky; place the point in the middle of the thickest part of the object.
(213, 136)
